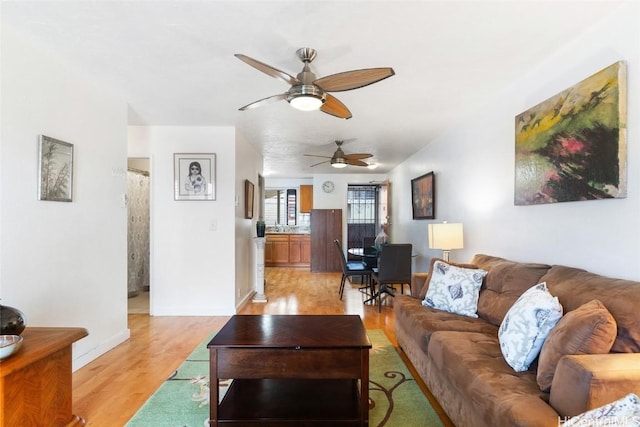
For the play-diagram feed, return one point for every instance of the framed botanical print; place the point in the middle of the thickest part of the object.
(248, 198)
(194, 176)
(55, 181)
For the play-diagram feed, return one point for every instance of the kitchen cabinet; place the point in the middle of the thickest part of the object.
(299, 249)
(287, 250)
(306, 198)
(276, 249)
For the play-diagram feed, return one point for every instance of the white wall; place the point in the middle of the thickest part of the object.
(248, 166)
(192, 265)
(63, 264)
(287, 182)
(474, 168)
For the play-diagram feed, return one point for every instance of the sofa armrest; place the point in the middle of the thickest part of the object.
(417, 283)
(587, 381)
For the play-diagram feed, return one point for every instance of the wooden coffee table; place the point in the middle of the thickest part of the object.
(300, 370)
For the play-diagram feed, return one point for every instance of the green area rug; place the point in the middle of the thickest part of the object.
(395, 398)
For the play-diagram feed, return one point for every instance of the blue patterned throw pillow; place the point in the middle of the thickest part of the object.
(454, 289)
(527, 325)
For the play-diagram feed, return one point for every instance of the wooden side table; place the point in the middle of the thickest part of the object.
(35, 383)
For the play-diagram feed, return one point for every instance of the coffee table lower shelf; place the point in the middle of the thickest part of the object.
(299, 402)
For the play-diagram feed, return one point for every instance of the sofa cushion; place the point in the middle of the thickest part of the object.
(589, 329)
(473, 365)
(526, 326)
(574, 287)
(421, 322)
(454, 289)
(586, 381)
(504, 284)
(427, 278)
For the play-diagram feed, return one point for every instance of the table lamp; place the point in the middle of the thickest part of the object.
(445, 236)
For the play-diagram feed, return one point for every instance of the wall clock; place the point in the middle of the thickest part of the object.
(327, 186)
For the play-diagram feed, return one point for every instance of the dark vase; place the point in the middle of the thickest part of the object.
(12, 321)
(260, 228)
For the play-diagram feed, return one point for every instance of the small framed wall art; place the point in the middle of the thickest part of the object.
(194, 176)
(248, 199)
(423, 194)
(55, 181)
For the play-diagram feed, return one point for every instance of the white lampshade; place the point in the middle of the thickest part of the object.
(445, 236)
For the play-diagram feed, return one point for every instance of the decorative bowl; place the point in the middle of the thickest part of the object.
(9, 344)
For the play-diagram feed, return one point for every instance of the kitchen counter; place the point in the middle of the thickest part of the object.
(287, 232)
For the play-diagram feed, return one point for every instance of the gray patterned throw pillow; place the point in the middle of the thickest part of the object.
(527, 325)
(454, 289)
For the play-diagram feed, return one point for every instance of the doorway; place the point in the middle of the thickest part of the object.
(362, 214)
(138, 253)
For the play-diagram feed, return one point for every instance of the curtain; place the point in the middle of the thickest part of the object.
(138, 232)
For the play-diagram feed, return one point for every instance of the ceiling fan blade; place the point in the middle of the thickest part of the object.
(268, 69)
(355, 162)
(336, 108)
(355, 79)
(357, 156)
(316, 155)
(264, 101)
(326, 161)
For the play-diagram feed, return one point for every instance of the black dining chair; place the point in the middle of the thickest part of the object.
(351, 268)
(369, 252)
(394, 268)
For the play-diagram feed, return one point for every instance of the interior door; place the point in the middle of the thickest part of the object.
(326, 226)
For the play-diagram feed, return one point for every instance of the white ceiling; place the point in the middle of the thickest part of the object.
(173, 62)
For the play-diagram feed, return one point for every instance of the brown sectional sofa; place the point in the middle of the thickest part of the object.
(460, 360)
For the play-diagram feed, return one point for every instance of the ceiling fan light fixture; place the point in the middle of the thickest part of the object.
(338, 162)
(306, 103)
(306, 97)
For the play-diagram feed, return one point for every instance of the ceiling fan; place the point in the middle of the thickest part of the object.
(307, 92)
(341, 160)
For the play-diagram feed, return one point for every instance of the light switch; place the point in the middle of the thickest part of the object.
(213, 225)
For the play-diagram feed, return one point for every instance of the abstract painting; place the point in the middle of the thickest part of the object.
(423, 196)
(573, 145)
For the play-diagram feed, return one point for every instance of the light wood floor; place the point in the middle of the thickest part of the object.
(109, 390)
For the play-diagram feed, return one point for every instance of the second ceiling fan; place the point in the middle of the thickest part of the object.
(307, 92)
(341, 160)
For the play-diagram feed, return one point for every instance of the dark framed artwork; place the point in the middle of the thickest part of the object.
(573, 146)
(55, 180)
(248, 198)
(194, 176)
(423, 196)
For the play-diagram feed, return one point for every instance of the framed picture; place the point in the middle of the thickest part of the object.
(573, 146)
(423, 196)
(248, 199)
(194, 176)
(55, 181)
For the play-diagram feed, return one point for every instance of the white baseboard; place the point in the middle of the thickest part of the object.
(81, 360)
